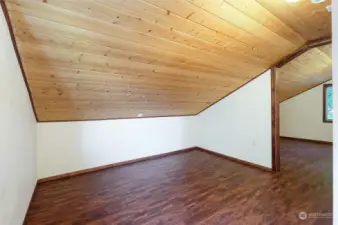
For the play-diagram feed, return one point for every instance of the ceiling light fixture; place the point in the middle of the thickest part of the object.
(317, 1)
(140, 115)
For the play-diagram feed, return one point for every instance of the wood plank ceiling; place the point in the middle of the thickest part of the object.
(100, 59)
(304, 72)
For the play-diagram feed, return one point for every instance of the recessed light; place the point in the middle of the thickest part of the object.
(140, 115)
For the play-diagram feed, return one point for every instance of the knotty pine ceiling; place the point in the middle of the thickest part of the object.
(101, 59)
(305, 72)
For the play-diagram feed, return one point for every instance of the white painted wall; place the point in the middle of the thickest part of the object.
(335, 103)
(302, 116)
(17, 136)
(240, 125)
(69, 146)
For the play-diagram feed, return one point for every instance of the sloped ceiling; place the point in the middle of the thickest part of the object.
(101, 59)
(305, 72)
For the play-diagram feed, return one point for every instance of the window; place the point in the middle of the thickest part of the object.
(328, 105)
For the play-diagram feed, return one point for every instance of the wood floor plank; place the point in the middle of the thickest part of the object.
(193, 188)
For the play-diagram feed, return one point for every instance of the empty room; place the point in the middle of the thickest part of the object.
(171, 112)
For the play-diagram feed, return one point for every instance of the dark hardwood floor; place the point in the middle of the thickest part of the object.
(193, 188)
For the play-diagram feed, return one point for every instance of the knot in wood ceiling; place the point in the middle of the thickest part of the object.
(105, 59)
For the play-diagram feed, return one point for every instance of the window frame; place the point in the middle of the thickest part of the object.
(325, 120)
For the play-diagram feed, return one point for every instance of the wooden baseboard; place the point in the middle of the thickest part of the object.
(307, 140)
(79, 172)
(246, 163)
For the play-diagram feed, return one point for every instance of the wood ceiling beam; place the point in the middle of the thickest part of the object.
(303, 49)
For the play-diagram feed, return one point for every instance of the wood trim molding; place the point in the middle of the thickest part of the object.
(307, 46)
(124, 163)
(80, 172)
(307, 140)
(240, 161)
(10, 29)
(127, 118)
(325, 120)
(275, 121)
(292, 56)
(320, 42)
